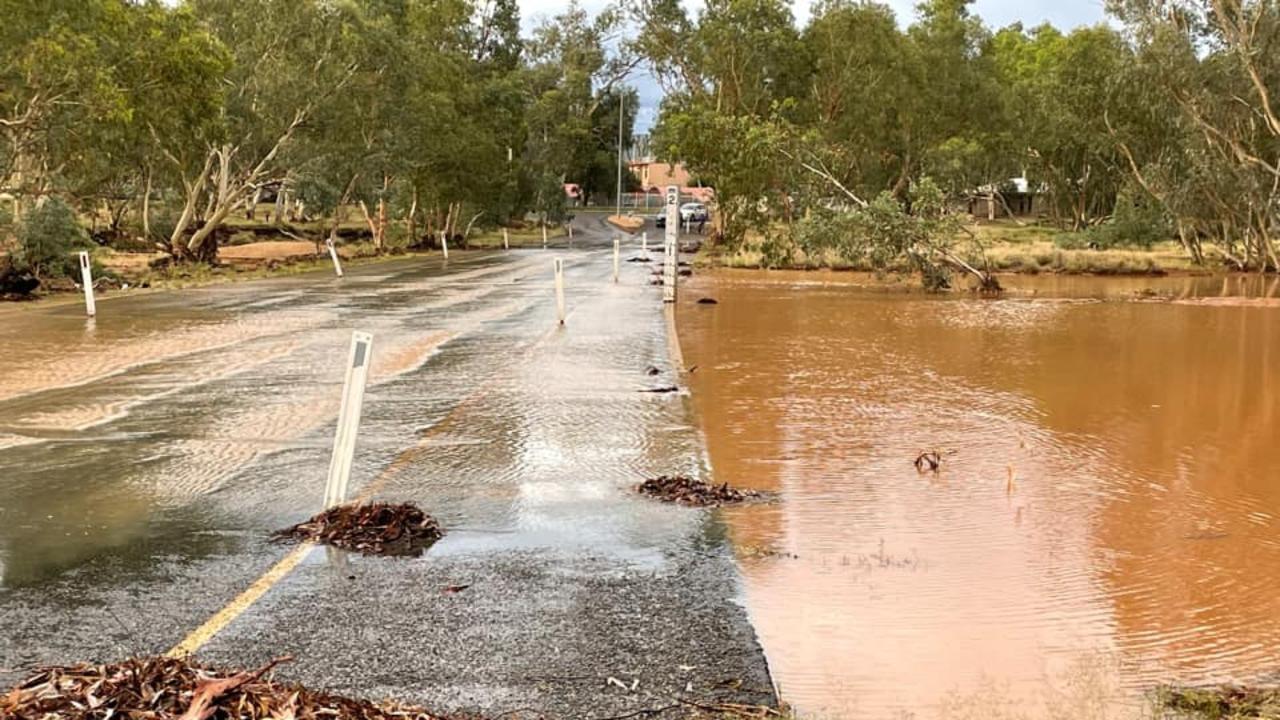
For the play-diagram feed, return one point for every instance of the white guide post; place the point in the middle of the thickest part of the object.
(644, 241)
(570, 232)
(86, 276)
(344, 440)
(444, 244)
(333, 255)
(671, 245)
(558, 264)
(617, 250)
(506, 240)
(544, 236)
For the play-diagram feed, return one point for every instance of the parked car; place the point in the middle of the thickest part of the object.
(694, 212)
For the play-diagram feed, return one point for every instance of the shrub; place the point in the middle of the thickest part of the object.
(47, 239)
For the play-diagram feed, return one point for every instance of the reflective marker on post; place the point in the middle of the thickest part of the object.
(344, 440)
(333, 255)
(506, 240)
(617, 248)
(671, 245)
(558, 264)
(86, 276)
(444, 244)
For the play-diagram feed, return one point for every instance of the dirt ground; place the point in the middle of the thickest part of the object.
(627, 223)
(268, 250)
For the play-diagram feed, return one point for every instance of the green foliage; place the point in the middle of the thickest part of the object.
(1139, 221)
(737, 155)
(1166, 127)
(47, 240)
(886, 235)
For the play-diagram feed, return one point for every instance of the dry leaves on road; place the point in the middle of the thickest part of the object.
(687, 491)
(376, 529)
(147, 688)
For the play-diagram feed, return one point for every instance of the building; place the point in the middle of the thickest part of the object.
(1014, 197)
(658, 175)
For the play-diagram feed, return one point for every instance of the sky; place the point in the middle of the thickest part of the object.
(1065, 14)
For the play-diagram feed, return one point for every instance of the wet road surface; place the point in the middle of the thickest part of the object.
(146, 456)
(1107, 516)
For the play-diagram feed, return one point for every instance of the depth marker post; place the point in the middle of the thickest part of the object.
(333, 255)
(558, 265)
(617, 249)
(86, 276)
(344, 439)
(671, 245)
(544, 235)
(444, 244)
(506, 240)
(644, 241)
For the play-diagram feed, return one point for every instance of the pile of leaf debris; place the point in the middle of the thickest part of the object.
(695, 493)
(170, 688)
(375, 529)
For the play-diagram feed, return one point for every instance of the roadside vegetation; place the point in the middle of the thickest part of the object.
(180, 128)
(824, 142)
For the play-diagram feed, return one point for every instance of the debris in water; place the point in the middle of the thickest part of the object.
(687, 491)
(377, 529)
(174, 688)
(639, 259)
(929, 460)
(651, 371)
(450, 589)
(664, 389)
(708, 301)
(686, 273)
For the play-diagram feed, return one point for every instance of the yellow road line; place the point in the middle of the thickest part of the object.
(233, 609)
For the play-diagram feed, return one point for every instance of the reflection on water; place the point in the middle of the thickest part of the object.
(1108, 497)
(111, 435)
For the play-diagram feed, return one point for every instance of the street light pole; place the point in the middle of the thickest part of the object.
(622, 107)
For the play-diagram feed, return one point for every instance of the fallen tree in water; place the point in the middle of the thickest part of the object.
(173, 688)
(377, 529)
(687, 491)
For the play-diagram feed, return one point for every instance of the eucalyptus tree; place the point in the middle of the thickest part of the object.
(1061, 87)
(287, 60)
(1217, 65)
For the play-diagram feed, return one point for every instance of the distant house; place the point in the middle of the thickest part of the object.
(658, 175)
(655, 177)
(1011, 198)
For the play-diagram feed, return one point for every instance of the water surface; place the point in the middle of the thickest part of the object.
(1105, 518)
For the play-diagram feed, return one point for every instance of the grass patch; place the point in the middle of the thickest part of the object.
(530, 237)
(1042, 256)
(1222, 703)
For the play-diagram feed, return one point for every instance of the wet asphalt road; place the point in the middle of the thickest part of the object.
(145, 458)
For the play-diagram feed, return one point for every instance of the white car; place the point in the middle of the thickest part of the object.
(693, 212)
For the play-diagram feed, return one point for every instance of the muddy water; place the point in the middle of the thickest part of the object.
(1105, 518)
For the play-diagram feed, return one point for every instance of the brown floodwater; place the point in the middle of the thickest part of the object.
(1105, 518)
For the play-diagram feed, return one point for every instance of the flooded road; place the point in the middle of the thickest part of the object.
(1105, 518)
(147, 456)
